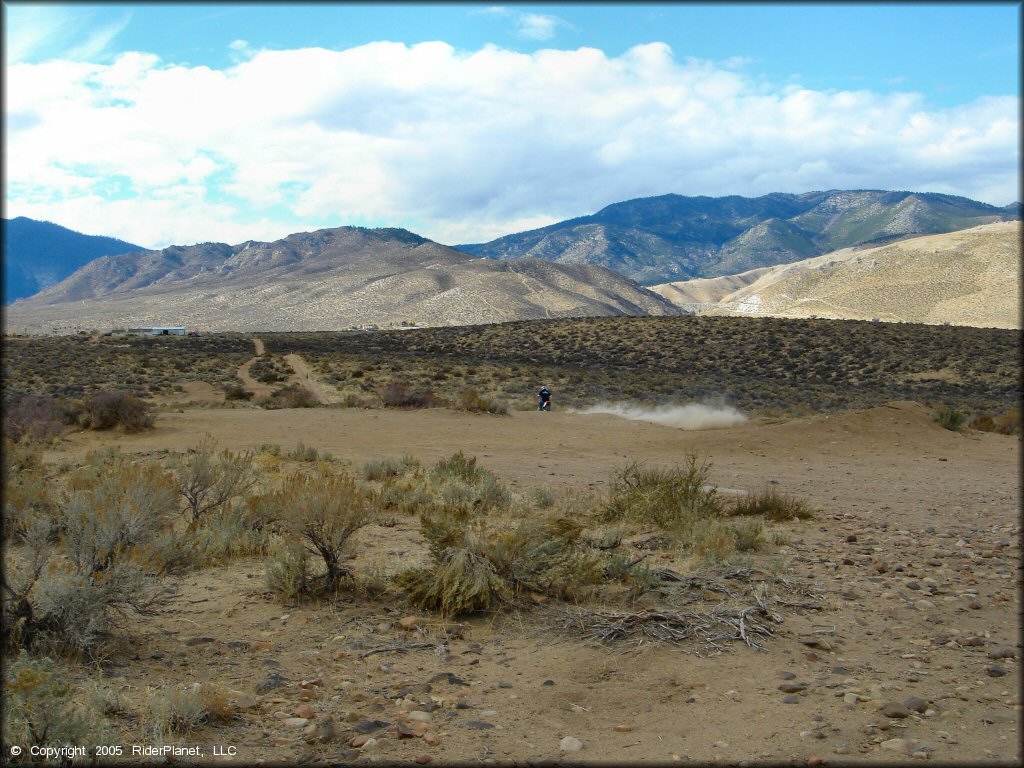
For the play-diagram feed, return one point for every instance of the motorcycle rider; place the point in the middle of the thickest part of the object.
(544, 399)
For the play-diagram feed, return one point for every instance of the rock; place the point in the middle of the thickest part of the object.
(570, 744)
(410, 623)
(404, 731)
(270, 682)
(548, 682)
(895, 709)
(1008, 652)
(296, 722)
(431, 739)
(787, 675)
(791, 699)
(200, 641)
(623, 728)
(792, 687)
(369, 726)
(995, 671)
(448, 677)
(325, 731)
(894, 745)
(850, 699)
(306, 711)
(815, 760)
(246, 703)
(420, 715)
(916, 704)
(479, 725)
(815, 641)
(358, 741)
(504, 684)
(422, 759)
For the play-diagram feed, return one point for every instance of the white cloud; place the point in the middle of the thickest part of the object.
(537, 26)
(36, 31)
(458, 146)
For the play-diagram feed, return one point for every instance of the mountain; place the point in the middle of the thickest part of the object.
(38, 254)
(330, 279)
(969, 277)
(672, 237)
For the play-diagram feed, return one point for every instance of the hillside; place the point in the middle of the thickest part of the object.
(671, 237)
(38, 254)
(329, 279)
(970, 277)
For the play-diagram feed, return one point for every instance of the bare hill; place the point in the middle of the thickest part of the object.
(330, 279)
(970, 277)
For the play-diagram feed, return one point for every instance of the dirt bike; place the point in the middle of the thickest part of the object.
(544, 405)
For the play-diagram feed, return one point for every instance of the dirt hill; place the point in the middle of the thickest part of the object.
(970, 277)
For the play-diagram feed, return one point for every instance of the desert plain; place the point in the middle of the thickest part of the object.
(883, 629)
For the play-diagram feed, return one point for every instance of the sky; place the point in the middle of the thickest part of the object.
(180, 123)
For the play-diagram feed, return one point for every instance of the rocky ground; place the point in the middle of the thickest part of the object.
(899, 604)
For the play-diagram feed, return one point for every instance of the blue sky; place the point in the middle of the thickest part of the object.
(183, 122)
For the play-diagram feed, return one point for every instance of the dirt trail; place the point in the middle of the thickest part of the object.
(304, 375)
(258, 388)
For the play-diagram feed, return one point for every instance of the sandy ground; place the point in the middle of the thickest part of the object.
(940, 509)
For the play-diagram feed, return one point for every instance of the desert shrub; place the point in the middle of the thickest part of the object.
(177, 711)
(28, 495)
(471, 400)
(305, 452)
(771, 504)
(31, 417)
(543, 498)
(286, 571)
(950, 418)
(270, 369)
(713, 541)
(458, 467)
(475, 569)
(669, 498)
(459, 480)
(400, 394)
(120, 410)
(208, 479)
(39, 712)
(323, 511)
(235, 392)
(291, 396)
(383, 469)
(1008, 423)
(217, 704)
(407, 494)
(462, 582)
(749, 535)
(72, 592)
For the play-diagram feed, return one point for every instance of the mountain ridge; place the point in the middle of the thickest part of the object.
(38, 254)
(673, 237)
(328, 279)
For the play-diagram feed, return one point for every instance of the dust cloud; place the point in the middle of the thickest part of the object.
(689, 416)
